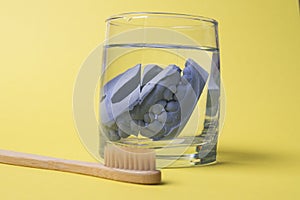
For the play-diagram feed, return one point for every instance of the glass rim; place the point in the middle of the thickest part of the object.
(133, 15)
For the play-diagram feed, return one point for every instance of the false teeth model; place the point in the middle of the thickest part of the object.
(156, 105)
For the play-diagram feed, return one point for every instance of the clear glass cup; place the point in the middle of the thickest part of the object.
(160, 86)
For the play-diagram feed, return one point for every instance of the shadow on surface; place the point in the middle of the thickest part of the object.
(240, 157)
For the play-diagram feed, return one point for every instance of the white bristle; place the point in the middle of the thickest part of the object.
(129, 158)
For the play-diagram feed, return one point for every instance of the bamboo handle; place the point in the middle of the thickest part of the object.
(79, 167)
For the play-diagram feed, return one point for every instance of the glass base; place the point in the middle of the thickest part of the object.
(179, 152)
(195, 155)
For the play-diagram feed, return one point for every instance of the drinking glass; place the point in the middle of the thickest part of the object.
(160, 87)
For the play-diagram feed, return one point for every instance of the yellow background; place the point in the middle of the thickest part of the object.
(43, 44)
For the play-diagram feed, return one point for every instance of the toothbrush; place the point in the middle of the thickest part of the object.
(121, 164)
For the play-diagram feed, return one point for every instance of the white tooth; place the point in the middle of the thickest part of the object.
(173, 88)
(172, 106)
(168, 94)
(180, 93)
(156, 109)
(147, 118)
(120, 94)
(134, 127)
(122, 134)
(162, 117)
(162, 102)
(152, 129)
(150, 71)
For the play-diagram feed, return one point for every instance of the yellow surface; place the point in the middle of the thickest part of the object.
(43, 44)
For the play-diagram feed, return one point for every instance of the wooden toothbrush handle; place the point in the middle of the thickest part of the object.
(79, 167)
